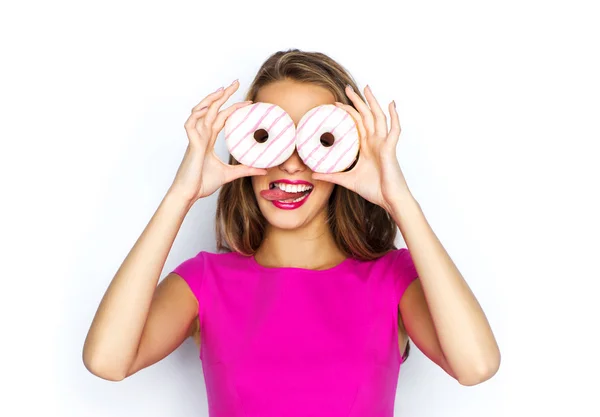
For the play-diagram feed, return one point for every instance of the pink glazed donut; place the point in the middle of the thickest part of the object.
(327, 139)
(261, 135)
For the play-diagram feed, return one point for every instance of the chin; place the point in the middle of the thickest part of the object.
(280, 222)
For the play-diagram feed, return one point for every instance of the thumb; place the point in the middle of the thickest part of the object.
(234, 172)
(340, 178)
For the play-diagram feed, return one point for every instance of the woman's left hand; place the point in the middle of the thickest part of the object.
(377, 176)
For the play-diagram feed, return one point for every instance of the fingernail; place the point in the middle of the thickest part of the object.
(218, 89)
(394, 101)
(235, 81)
(348, 85)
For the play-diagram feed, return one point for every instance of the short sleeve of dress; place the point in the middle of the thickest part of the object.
(192, 272)
(404, 271)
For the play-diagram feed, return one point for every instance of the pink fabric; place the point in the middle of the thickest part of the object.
(298, 342)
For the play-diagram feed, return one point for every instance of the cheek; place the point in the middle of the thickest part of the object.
(325, 190)
(256, 185)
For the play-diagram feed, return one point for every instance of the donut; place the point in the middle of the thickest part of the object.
(327, 139)
(261, 135)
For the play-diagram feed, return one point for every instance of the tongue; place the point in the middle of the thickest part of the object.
(279, 194)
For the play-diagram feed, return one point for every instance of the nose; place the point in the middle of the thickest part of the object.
(293, 165)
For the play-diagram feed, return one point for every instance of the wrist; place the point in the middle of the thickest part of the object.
(405, 210)
(176, 197)
(401, 199)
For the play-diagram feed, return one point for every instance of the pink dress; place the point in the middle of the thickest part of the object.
(287, 342)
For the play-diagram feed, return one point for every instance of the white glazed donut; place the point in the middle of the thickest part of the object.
(261, 135)
(327, 139)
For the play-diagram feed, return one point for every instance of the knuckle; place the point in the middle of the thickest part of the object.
(191, 123)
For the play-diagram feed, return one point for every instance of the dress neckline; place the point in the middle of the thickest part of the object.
(256, 265)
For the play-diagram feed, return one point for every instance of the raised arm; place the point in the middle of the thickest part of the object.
(133, 306)
(439, 311)
(138, 323)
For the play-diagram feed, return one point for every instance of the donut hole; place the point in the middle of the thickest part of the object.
(327, 139)
(261, 135)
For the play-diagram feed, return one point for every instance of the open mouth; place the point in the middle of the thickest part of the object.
(285, 192)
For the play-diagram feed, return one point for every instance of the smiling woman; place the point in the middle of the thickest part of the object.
(307, 307)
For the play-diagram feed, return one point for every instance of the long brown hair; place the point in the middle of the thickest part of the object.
(361, 229)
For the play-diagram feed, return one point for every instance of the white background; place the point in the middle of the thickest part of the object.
(499, 106)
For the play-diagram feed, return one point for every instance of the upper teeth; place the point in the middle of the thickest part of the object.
(293, 188)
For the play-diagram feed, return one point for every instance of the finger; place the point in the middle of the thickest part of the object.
(395, 130)
(381, 128)
(234, 172)
(345, 179)
(363, 109)
(190, 124)
(357, 119)
(209, 99)
(216, 105)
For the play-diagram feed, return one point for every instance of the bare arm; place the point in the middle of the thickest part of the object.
(138, 323)
(173, 317)
(439, 311)
(111, 346)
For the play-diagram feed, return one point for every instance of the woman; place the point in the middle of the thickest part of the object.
(307, 308)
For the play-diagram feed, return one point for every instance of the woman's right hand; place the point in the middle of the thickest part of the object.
(201, 172)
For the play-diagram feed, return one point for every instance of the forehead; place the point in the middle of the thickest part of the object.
(294, 97)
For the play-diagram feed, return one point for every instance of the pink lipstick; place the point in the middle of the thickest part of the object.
(288, 194)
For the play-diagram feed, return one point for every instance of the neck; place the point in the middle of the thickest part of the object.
(311, 247)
